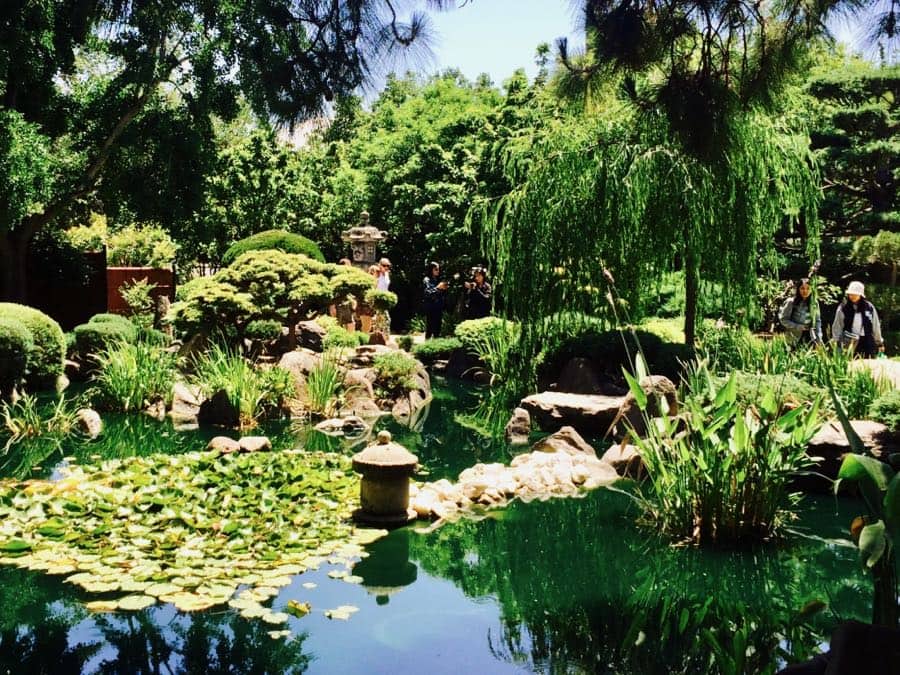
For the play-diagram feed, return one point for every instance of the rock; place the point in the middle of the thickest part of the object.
(566, 440)
(254, 443)
(480, 376)
(831, 444)
(364, 355)
(363, 407)
(358, 383)
(518, 427)
(299, 363)
(377, 339)
(339, 426)
(61, 384)
(588, 413)
(310, 335)
(156, 410)
(625, 460)
(218, 410)
(195, 346)
(579, 376)
(223, 444)
(89, 422)
(185, 404)
(656, 387)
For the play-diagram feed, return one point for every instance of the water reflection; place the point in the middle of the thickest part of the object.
(387, 570)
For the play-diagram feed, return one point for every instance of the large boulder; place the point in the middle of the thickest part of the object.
(625, 459)
(299, 363)
(219, 411)
(364, 355)
(186, 402)
(656, 387)
(89, 422)
(831, 444)
(254, 444)
(518, 427)
(223, 444)
(565, 440)
(358, 383)
(310, 335)
(588, 413)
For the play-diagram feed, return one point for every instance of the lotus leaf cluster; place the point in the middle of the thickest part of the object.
(196, 530)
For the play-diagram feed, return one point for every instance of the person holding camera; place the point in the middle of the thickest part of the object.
(856, 325)
(435, 299)
(800, 316)
(478, 295)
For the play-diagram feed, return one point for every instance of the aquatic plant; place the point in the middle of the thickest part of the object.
(324, 384)
(719, 472)
(132, 375)
(188, 529)
(31, 431)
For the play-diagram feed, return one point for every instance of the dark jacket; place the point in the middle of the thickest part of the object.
(434, 296)
(478, 301)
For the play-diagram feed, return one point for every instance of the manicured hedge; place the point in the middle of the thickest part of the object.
(102, 331)
(47, 358)
(273, 239)
(15, 345)
(436, 349)
(263, 329)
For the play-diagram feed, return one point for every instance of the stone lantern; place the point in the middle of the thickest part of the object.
(384, 489)
(363, 240)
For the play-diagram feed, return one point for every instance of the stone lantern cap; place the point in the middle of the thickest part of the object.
(385, 458)
(364, 232)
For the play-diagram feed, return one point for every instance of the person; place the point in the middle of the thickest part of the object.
(800, 316)
(435, 297)
(856, 323)
(344, 308)
(478, 295)
(363, 309)
(384, 279)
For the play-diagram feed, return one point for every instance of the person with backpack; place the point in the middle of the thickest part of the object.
(856, 325)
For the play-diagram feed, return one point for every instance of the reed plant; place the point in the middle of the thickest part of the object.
(324, 384)
(133, 375)
(719, 471)
(32, 431)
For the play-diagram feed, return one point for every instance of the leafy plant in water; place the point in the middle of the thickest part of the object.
(31, 432)
(132, 375)
(719, 471)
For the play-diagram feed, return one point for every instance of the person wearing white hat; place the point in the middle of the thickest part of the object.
(856, 323)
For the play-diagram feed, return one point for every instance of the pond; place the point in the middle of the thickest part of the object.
(564, 586)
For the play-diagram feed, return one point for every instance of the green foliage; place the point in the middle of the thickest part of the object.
(263, 329)
(16, 344)
(719, 471)
(153, 337)
(91, 237)
(887, 301)
(27, 167)
(45, 360)
(788, 391)
(141, 246)
(324, 384)
(138, 296)
(859, 390)
(474, 331)
(405, 342)
(31, 431)
(132, 375)
(253, 392)
(395, 370)
(886, 409)
(381, 301)
(280, 240)
(730, 348)
(338, 337)
(102, 332)
(434, 349)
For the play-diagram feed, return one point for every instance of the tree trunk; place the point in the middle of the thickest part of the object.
(893, 274)
(13, 276)
(691, 292)
(885, 611)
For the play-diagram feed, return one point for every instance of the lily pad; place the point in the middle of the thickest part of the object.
(136, 602)
(297, 608)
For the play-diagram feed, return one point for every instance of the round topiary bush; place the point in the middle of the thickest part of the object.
(102, 331)
(15, 345)
(382, 301)
(273, 239)
(47, 358)
(263, 329)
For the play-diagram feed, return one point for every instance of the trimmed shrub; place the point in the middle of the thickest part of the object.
(886, 409)
(263, 329)
(405, 342)
(338, 337)
(436, 349)
(473, 331)
(394, 370)
(381, 301)
(46, 359)
(273, 239)
(102, 331)
(107, 317)
(152, 336)
(15, 345)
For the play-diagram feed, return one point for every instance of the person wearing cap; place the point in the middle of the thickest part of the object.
(800, 316)
(384, 279)
(856, 323)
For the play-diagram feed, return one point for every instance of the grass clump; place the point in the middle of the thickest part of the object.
(719, 471)
(133, 375)
(338, 337)
(436, 348)
(395, 372)
(324, 384)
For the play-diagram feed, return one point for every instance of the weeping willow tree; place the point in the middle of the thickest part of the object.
(602, 207)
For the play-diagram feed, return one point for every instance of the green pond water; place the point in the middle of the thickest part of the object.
(565, 586)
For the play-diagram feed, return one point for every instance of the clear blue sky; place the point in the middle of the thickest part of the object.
(498, 36)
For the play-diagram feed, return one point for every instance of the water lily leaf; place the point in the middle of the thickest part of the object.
(279, 634)
(353, 579)
(309, 584)
(275, 617)
(278, 581)
(254, 612)
(102, 605)
(14, 546)
(343, 612)
(338, 574)
(190, 602)
(161, 589)
(136, 602)
(100, 586)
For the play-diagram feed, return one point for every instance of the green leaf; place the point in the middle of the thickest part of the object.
(15, 546)
(728, 393)
(872, 543)
(862, 467)
(892, 509)
(640, 396)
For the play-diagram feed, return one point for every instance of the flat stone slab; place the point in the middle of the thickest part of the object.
(588, 413)
(831, 444)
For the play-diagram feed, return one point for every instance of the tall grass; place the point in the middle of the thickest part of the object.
(324, 384)
(719, 472)
(253, 392)
(132, 375)
(31, 431)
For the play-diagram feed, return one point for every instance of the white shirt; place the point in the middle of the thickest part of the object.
(384, 281)
(857, 326)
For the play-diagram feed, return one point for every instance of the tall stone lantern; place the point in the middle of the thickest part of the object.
(363, 240)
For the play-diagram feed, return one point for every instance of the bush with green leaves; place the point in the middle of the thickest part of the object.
(338, 337)
(138, 296)
(268, 284)
(280, 240)
(394, 372)
(472, 331)
(15, 345)
(886, 409)
(153, 336)
(405, 342)
(435, 349)
(381, 301)
(719, 471)
(788, 390)
(253, 392)
(47, 356)
(324, 384)
(101, 332)
(141, 246)
(131, 375)
(263, 329)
